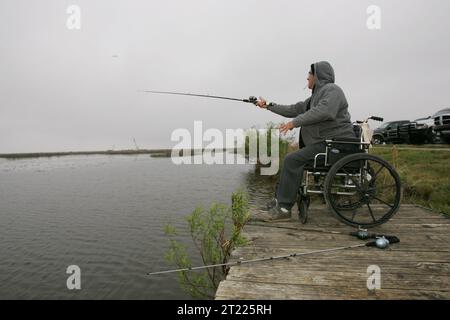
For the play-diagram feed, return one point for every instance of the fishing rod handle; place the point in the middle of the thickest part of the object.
(392, 239)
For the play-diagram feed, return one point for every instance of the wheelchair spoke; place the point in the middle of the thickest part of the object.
(376, 198)
(371, 187)
(371, 213)
(353, 215)
(376, 173)
(354, 181)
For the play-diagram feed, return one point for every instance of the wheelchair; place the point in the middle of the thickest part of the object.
(360, 189)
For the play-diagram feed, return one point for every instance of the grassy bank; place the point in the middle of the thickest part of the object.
(414, 146)
(79, 153)
(153, 152)
(425, 176)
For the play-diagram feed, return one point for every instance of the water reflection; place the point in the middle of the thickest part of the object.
(105, 214)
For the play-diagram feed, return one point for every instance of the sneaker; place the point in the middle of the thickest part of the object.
(278, 213)
(272, 203)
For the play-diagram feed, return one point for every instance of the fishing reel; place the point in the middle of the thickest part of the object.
(381, 241)
(361, 234)
(251, 99)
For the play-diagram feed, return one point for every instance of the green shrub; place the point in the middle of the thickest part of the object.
(215, 232)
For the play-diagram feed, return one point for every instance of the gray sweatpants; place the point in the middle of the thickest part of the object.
(292, 173)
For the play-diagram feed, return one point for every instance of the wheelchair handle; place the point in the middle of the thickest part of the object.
(370, 118)
(376, 118)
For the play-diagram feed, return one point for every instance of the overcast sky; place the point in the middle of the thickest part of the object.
(64, 89)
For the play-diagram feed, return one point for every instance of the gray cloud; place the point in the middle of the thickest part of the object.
(77, 90)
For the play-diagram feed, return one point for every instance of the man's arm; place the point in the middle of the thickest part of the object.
(289, 111)
(326, 109)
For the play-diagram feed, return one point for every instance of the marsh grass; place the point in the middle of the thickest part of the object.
(425, 176)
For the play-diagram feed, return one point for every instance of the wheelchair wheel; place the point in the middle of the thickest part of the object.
(347, 202)
(363, 190)
(303, 205)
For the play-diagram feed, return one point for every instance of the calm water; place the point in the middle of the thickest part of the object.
(105, 214)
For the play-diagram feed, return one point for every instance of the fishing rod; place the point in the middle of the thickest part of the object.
(381, 243)
(361, 234)
(251, 99)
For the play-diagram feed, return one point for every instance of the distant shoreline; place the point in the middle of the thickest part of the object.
(162, 153)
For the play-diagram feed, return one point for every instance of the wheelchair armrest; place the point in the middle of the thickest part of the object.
(345, 140)
(319, 162)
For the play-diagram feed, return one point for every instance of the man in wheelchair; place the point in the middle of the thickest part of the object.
(322, 116)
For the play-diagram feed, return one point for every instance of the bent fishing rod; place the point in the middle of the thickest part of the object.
(381, 242)
(251, 99)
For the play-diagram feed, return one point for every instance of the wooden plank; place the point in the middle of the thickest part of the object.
(438, 269)
(404, 229)
(358, 254)
(421, 243)
(335, 278)
(331, 222)
(416, 268)
(259, 291)
(409, 231)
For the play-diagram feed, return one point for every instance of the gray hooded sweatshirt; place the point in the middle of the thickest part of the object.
(325, 114)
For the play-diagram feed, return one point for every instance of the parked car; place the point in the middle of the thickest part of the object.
(442, 124)
(389, 132)
(418, 131)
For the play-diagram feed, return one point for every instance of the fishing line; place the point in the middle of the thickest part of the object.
(381, 243)
(240, 262)
(251, 99)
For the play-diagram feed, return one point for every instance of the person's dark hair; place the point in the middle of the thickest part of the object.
(312, 69)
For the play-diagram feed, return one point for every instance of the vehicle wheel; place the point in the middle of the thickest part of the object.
(434, 138)
(373, 184)
(431, 137)
(415, 141)
(377, 140)
(303, 206)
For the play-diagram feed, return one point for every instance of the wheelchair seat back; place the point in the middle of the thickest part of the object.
(336, 151)
(339, 148)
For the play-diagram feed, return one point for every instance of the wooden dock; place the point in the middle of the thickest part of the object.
(416, 268)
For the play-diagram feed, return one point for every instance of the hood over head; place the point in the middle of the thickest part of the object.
(323, 74)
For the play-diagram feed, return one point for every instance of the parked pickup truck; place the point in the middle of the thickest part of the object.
(389, 132)
(442, 124)
(418, 131)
